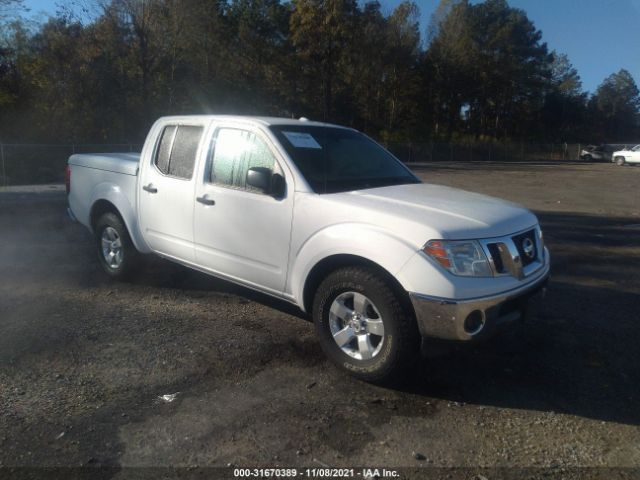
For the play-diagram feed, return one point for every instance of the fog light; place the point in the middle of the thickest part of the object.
(474, 322)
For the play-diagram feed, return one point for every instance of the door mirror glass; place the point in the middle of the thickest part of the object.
(278, 186)
(260, 178)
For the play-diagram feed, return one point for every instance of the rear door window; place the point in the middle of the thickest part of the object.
(176, 153)
(164, 149)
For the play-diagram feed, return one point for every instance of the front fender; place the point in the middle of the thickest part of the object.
(382, 247)
(115, 195)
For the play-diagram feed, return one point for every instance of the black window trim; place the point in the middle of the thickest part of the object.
(211, 152)
(198, 151)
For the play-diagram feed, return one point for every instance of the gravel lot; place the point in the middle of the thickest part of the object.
(83, 360)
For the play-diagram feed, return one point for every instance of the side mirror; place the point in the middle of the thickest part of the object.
(278, 186)
(266, 181)
(260, 178)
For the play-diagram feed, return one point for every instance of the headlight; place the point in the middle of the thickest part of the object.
(460, 257)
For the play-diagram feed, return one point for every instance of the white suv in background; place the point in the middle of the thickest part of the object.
(631, 155)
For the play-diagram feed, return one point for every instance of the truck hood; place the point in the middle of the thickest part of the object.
(444, 212)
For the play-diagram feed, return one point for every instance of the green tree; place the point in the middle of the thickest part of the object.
(564, 113)
(323, 33)
(564, 77)
(141, 19)
(366, 73)
(401, 75)
(260, 46)
(9, 83)
(103, 70)
(488, 61)
(617, 107)
(446, 67)
(11, 8)
(383, 74)
(441, 12)
(54, 72)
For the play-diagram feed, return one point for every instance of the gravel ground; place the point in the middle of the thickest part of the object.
(84, 360)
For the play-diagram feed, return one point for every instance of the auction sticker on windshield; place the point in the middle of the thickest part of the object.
(302, 140)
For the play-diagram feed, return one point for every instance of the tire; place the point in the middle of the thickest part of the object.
(387, 353)
(116, 253)
(620, 161)
(587, 158)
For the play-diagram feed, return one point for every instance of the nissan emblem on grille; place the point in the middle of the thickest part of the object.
(528, 247)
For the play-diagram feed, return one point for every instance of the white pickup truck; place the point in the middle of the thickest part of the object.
(323, 217)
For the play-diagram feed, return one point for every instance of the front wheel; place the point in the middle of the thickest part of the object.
(620, 161)
(363, 325)
(116, 252)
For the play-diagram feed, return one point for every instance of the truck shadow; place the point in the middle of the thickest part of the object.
(580, 356)
(160, 273)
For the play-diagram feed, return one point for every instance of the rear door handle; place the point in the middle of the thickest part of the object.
(150, 188)
(206, 200)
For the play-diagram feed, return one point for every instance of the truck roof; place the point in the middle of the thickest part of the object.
(266, 121)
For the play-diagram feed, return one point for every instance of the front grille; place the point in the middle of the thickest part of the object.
(526, 239)
(494, 250)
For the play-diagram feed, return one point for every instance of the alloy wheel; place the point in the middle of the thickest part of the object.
(356, 325)
(111, 247)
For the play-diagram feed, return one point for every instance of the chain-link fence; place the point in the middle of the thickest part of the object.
(509, 152)
(23, 164)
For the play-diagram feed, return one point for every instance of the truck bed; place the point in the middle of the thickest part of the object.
(126, 163)
(110, 177)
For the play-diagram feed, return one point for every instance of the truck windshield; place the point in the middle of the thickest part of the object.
(339, 160)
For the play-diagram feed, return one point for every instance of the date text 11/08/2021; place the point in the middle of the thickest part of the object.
(364, 473)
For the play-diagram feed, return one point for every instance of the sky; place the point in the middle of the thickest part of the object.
(599, 36)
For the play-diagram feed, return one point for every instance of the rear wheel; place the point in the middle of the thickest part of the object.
(116, 252)
(587, 158)
(363, 325)
(620, 161)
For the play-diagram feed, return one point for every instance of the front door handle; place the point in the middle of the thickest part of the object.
(206, 200)
(150, 188)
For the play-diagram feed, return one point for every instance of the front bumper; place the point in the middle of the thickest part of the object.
(475, 318)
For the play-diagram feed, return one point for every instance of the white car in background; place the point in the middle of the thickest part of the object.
(630, 155)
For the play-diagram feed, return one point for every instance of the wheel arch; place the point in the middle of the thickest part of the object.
(102, 206)
(334, 262)
(99, 208)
